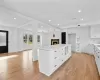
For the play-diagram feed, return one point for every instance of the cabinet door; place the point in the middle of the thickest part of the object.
(56, 53)
(69, 49)
(95, 31)
(63, 37)
(62, 52)
(97, 59)
(90, 49)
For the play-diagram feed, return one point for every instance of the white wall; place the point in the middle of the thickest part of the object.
(1, 2)
(12, 35)
(84, 35)
(21, 45)
(34, 26)
(15, 39)
(46, 37)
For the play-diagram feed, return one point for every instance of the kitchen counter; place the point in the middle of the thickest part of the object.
(97, 46)
(52, 57)
(97, 55)
(53, 47)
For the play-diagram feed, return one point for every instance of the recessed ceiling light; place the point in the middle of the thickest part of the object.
(82, 19)
(79, 11)
(58, 24)
(49, 20)
(14, 18)
(41, 26)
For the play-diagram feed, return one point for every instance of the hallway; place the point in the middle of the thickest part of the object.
(19, 66)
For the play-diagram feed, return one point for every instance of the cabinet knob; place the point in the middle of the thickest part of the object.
(55, 65)
(55, 57)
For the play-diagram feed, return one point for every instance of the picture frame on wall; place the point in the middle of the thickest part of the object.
(30, 39)
(25, 38)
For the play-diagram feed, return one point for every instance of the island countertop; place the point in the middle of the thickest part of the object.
(53, 47)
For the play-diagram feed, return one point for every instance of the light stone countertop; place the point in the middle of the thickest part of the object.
(53, 47)
(97, 46)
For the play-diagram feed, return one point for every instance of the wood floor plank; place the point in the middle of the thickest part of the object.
(19, 66)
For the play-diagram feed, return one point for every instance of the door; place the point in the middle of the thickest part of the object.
(3, 41)
(72, 41)
(63, 37)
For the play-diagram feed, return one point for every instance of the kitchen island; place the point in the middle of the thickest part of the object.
(97, 56)
(52, 57)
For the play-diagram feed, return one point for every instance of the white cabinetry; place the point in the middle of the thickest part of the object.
(97, 58)
(95, 31)
(51, 59)
(90, 49)
(77, 44)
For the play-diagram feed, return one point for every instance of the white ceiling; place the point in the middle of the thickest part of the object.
(1, 2)
(10, 18)
(63, 12)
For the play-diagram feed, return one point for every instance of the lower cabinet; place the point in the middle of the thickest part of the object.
(51, 60)
(97, 58)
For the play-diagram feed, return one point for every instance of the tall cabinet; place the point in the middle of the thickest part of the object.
(95, 31)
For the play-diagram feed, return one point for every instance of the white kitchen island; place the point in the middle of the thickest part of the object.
(52, 57)
(97, 56)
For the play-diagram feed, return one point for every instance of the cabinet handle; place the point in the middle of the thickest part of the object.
(55, 65)
(55, 51)
(55, 57)
(98, 56)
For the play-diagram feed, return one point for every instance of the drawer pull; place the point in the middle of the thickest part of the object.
(55, 51)
(55, 58)
(55, 65)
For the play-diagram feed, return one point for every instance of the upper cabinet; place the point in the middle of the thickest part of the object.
(95, 31)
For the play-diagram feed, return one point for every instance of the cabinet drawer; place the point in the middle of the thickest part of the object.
(56, 54)
(56, 63)
(98, 63)
(55, 51)
(55, 66)
(62, 49)
(97, 56)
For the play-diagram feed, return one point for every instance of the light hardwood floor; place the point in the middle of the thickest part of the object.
(19, 66)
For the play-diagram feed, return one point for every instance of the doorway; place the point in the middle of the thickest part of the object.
(72, 41)
(3, 41)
